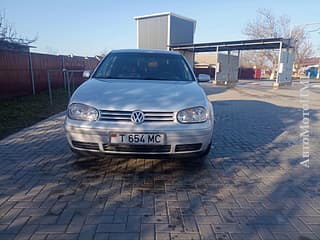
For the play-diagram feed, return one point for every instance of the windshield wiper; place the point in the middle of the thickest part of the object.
(108, 77)
(134, 78)
(154, 78)
(113, 77)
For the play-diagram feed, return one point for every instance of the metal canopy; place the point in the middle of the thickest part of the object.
(256, 44)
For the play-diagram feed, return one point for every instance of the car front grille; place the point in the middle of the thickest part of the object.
(86, 145)
(188, 147)
(107, 115)
(137, 148)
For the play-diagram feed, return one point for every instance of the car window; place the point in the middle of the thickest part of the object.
(147, 66)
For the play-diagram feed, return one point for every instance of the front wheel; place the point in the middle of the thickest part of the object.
(200, 158)
(78, 154)
(204, 155)
(206, 151)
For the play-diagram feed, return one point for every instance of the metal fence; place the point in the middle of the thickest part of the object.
(71, 79)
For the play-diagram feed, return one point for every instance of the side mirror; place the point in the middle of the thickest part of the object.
(204, 77)
(86, 74)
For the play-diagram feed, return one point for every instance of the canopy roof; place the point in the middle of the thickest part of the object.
(255, 44)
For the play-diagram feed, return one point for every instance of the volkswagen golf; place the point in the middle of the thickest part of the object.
(140, 102)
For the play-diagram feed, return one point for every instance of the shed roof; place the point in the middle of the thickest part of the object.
(164, 14)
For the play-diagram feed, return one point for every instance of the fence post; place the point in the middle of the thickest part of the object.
(68, 83)
(63, 73)
(49, 86)
(72, 79)
(32, 75)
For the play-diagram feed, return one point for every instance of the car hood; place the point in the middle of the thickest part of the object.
(145, 95)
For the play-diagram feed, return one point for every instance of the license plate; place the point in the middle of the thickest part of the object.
(138, 138)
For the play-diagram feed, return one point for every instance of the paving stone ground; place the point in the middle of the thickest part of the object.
(252, 186)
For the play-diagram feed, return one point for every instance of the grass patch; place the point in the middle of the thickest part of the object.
(20, 112)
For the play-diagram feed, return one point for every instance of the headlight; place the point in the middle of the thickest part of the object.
(78, 111)
(193, 115)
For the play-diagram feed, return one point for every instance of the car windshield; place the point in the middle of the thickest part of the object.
(146, 66)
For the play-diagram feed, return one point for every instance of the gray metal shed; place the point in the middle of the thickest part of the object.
(161, 30)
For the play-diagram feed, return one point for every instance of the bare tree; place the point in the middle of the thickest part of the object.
(9, 34)
(254, 58)
(302, 44)
(267, 25)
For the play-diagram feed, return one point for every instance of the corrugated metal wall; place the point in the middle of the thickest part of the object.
(228, 70)
(15, 74)
(158, 32)
(181, 31)
(153, 33)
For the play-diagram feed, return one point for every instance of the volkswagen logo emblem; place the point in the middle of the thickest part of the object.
(137, 117)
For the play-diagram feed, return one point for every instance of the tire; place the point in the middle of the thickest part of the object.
(76, 153)
(86, 155)
(199, 159)
(204, 155)
(79, 154)
(206, 151)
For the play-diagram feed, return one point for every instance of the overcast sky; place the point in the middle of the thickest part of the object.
(90, 27)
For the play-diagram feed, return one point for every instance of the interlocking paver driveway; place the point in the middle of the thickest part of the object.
(251, 187)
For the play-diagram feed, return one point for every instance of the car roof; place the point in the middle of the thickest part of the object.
(145, 51)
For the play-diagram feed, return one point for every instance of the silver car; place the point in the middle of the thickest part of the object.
(141, 102)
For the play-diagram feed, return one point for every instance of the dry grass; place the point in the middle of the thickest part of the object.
(20, 112)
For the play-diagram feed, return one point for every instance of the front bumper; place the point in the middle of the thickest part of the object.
(180, 138)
